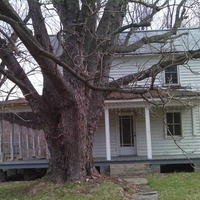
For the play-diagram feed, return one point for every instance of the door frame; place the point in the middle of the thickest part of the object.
(119, 150)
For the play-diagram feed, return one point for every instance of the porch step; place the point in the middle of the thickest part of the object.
(131, 169)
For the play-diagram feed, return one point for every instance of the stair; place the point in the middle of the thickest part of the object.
(130, 169)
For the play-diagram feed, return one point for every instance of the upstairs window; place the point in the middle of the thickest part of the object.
(171, 75)
(173, 123)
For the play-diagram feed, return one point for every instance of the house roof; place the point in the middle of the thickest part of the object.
(183, 40)
(115, 96)
(21, 116)
(14, 102)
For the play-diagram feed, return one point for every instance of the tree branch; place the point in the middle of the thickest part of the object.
(132, 25)
(148, 4)
(48, 67)
(15, 72)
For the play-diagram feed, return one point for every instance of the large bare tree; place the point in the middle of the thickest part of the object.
(72, 100)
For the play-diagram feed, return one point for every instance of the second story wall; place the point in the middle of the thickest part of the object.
(188, 75)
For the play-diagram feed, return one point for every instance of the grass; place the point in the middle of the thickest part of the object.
(176, 186)
(173, 186)
(43, 190)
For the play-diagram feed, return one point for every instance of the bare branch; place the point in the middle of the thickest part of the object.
(121, 29)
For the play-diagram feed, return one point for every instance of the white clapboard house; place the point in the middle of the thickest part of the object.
(163, 127)
(159, 128)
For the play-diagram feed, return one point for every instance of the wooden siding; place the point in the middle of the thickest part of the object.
(141, 134)
(196, 121)
(164, 145)
(189, 74)
(132, 64)
(99, 147)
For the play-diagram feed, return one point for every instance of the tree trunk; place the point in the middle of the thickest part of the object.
(70, 141)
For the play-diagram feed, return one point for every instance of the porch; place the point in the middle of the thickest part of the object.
(156, 159)
(141, 164)
(148, 138)
(104, 166)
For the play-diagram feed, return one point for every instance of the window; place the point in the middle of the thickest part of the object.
(173, 123)
(126, 131)
(171, 75)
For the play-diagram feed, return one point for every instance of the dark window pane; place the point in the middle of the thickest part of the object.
(171, 69)
(169, 117)
(174, 123)
(174, 78)
(171, 75)
(126, 131)
(177, 118)
(177, 130)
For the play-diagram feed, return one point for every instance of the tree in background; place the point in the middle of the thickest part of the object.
(72, 101)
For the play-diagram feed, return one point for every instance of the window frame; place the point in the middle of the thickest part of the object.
(178, 77)
(166, 124)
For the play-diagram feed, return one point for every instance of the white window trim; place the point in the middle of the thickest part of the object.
(195, 121)
(165, 125)
(173, 84)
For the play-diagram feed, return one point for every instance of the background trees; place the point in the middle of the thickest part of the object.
(89, 32)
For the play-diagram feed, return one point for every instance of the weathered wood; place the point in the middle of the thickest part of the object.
(47, 152)
(27, 144)
(33, 142)
(1, 142)
(20, 142)
(11, 141)
(39, 143)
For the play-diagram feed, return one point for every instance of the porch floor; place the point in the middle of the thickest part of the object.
(156, 160)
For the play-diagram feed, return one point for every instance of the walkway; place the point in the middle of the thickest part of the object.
(145, 192)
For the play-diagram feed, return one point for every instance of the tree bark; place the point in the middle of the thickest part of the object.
(70, 140)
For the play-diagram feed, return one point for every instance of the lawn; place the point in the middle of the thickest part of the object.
(176, 186)
(43, 190)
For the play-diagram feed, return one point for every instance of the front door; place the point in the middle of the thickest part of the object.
(127, 135)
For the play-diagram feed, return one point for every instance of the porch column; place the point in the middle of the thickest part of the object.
(107, 132)
(148, 133)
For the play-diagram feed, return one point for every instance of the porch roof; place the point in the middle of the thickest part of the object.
(156, 94)
(19, 112)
